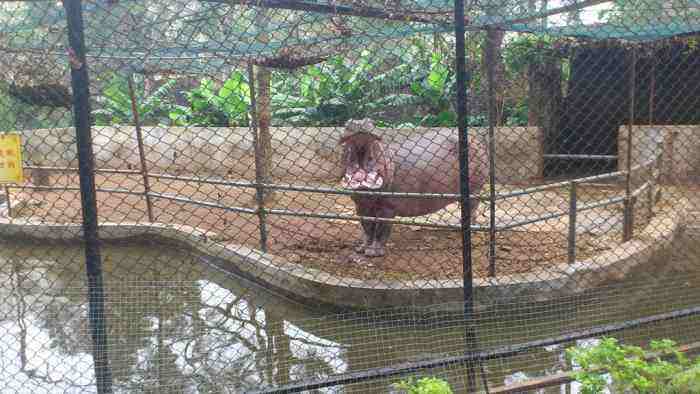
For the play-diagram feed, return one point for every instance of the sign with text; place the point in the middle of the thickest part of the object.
(10, 158)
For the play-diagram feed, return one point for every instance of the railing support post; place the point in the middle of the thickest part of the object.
(573, 206)
(142, 154)
(9, 201)
(628, 205)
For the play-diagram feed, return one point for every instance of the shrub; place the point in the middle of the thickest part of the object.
(631, 369)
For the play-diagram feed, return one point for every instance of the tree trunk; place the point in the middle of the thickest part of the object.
(262, 80)
(263, 85)
(544, 98)
(491, 49)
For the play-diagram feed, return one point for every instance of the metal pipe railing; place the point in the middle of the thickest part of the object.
(574, 206)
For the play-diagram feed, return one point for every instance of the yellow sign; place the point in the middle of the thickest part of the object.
(10, 159)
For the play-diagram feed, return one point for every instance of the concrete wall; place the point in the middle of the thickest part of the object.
(679, 145)
(299, 153)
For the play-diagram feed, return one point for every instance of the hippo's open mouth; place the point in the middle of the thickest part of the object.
(367, 165)
(359, 178)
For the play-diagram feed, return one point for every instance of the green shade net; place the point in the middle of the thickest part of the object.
(200, 36)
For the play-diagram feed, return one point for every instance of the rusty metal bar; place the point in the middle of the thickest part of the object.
(359, 10)
(142, 155)
(650, 200)
(259, 176)
(310, 189)
(74, 169)
(327, 190)
(572, 222)
(9, 201)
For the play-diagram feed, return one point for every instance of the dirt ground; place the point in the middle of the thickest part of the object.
(413, 252)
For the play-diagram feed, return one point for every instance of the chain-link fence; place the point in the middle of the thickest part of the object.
(293, 196)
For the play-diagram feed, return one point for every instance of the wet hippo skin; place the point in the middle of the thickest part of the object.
(425, 163)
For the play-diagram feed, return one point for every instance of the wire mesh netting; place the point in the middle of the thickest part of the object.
(283, 199)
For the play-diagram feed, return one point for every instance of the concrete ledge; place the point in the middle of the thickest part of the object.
(316, 286)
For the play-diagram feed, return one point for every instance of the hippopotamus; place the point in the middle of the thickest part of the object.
(425, 163)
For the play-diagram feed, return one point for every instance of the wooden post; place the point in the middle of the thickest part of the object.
(263, 77)
(142, 155)
(259, 161)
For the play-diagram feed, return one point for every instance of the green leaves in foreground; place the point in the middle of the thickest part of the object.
(665, 370)
(426, 385)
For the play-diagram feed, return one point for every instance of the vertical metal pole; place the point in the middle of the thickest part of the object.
(653, 166)
(259, 174)
(650, 196)
(628, 205)
(652, 87)
(9, 202)
(142, 155)
(467, 274)
(492, 156)
(81, 113)
(573, 206)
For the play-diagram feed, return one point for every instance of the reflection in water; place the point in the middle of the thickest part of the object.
(174, 326)
(177, 325)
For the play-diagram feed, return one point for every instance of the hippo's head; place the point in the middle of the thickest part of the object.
(366, 160)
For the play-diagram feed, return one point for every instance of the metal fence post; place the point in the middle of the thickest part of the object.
(492, 158)
(81, 113)
(142, 155)
(259, 171)
(573, 206)
(467, 273)
(628, 204)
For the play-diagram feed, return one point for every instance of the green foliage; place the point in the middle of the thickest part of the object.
(338, 90)
(413, 89)
(656, 13)
(17, 115)
(525, 49)
(435, 93)
(116, 107)
(208, 107)
(8, 118)
(630, 368)
(516, 115)
(425, 385)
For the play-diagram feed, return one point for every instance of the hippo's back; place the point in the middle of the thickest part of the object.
(426, 163)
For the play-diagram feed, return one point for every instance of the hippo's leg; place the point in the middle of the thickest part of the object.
(382, 231)
(368, 228)
(367, 235)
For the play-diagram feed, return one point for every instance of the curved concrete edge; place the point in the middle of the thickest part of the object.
(316, 286)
